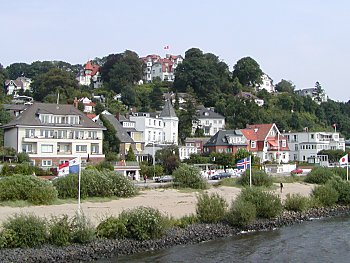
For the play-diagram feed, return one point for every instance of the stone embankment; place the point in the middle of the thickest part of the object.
(176, 236)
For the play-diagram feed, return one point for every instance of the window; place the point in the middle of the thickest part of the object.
(94, 148)
(62, 134)
(27, 148)
(284, 143)
(46, 148)
(296, 147)
(63, 161)
(206, 122)
(92, 134)
(253, 144)
(220, 121)
(46, 162)
(81, 148)
(312, 136)
(29, 133)
(46, 133)
(73, 120)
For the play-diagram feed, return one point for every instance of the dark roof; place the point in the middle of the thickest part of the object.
(204, 113)
(168, 110)
(121, 132)
(29, 116)
(220, 138)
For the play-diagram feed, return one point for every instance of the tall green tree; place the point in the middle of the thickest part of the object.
(285, 86)
(156, 97)
(248, 71)
(131, 155)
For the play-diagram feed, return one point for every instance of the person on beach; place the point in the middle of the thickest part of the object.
(145, 178)
(281, 185)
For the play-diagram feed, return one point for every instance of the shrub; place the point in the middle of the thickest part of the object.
(27, 187)
(143, 223)
(113, 228)
(268, 205)
(296, 202)
(26, 230)
(259, 178)
(22, 168)
(82, 230)
(342, 187)
(241, 213)
(319, 175)
(341, 172)
(187, 220)
(104, 183)
(325, 194)
(189, 176)
(210, 208)
(59, 231)
(7, 238)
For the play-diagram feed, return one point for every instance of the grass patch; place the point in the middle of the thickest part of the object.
(288, 179)
(17, 203)
(231, 182)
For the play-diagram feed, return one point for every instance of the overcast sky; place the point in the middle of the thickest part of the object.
(299, 40)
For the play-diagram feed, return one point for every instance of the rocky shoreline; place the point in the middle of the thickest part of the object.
(103, 248)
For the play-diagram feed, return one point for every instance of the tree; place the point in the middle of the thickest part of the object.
(285, 86)
(52, 82)
(16, 70)
(156, 97)
(130, 156)
(110, 140)
(224, 159)
(128, 95)
(248, 71)
(169, 158)
(99, 108)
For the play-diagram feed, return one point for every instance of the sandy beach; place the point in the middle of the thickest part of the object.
(169, 201)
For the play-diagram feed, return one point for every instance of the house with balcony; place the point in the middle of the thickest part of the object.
(52, 134)
(210, 121)
(304, 146)
(266, 142)
(226, 141)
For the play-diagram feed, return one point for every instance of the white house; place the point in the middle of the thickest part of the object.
(14, 86)
(157, 128)
(52, 134)
(267, 84)
(306, 145)
(314, 94)
(210, 121)
(90, 74)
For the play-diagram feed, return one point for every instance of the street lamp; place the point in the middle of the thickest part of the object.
(154, 166)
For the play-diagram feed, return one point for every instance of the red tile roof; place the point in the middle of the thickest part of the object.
(257, 132)
(91, 115)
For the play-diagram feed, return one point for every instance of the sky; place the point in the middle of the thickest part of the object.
(303, 41)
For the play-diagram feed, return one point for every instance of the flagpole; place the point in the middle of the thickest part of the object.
(79, 176)
(250, 171)
(347, 172)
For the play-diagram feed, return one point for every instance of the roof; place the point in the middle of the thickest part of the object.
(29, 117)
(246, 95)
(257, 132)
(168, 110)
(204, 113)
(220, 138)
(121, 132)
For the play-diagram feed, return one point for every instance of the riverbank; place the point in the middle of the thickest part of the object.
(100, 249)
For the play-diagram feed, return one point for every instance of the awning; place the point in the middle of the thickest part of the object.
(273, 143)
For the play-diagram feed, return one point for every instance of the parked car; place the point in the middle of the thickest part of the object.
(221, 176)
(297, 171)
(164, 179)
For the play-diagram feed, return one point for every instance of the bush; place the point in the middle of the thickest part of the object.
(59, 231)
(22, 168)
(189, 176)
(296, 203)
(27, 187)
(25, 231)
(187, 220)
(210, 209)
(342, 187)
(104, 183)
(259, 178)
(112, 228)
(319, 175)
(8, 238)
(241, 213)
(82, 230)
(326, 195)
(341, 172)
(143, 223)
(268, 205)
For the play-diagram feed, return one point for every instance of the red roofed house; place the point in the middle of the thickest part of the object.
(266, 142)
(90, 75)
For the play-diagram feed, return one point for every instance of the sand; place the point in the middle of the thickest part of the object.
(169, 201)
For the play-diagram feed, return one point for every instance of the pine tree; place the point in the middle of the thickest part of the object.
(130, 156)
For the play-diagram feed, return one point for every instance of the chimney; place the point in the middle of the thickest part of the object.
(76, 102)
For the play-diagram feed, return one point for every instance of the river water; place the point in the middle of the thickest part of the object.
(322, 240)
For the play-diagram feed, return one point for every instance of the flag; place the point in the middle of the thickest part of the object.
(343, 160)
(63, 169)
(244, 164)
(74, 166)
(166, 47)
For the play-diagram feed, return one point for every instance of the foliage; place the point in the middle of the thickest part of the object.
(343, 189)
(169, 158)
(60, 231)
(268, 205)
(241, 213)
(22, 157)
(210, 208)
(105, 165)
(340, 171)
(151, 171)
(285, 86)
(82, 230)
(94, 183)
(112, 228)
(110, 140)
(22, 168)
(27, 187)
(319, 175)
(248, 71)
(224, 159)
(259, 178)
(333, 155)
(187, 220)
(296, 203)
(325, 194)
(197, 159)
(189, 176)
(130, 156)
(27, 230)
(143, 223)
